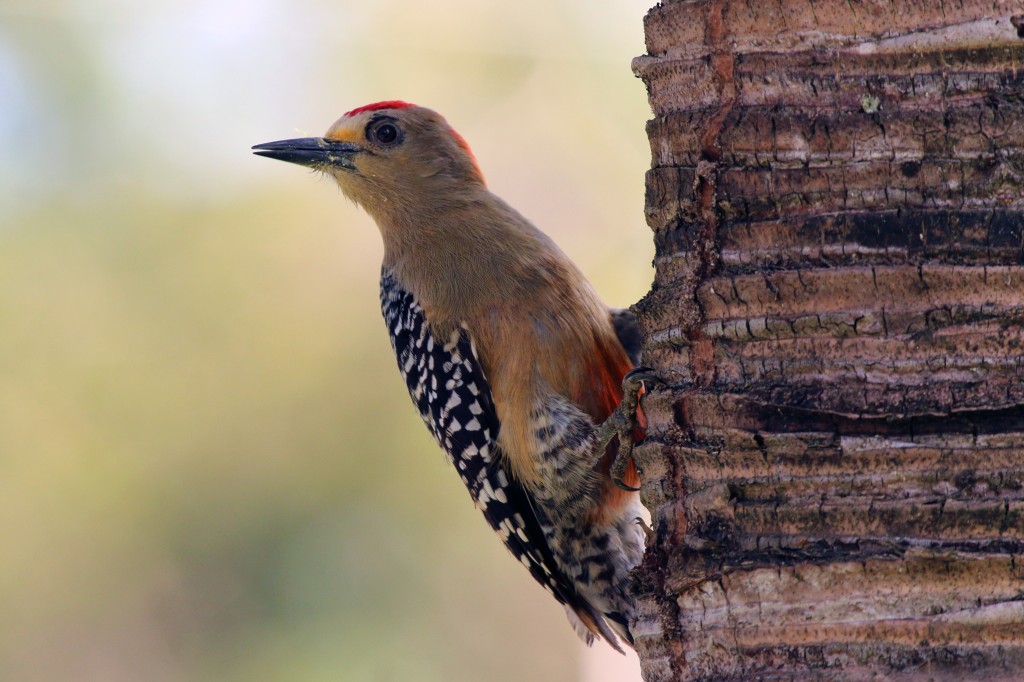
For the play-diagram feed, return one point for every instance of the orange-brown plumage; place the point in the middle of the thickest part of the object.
(468, 268)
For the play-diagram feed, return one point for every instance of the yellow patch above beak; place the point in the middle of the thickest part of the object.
(344, 134)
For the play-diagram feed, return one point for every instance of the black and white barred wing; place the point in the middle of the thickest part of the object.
(450, 391)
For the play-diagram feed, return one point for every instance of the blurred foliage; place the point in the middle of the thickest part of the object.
(209, 467)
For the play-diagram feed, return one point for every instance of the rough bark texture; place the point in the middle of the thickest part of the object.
(836, 470)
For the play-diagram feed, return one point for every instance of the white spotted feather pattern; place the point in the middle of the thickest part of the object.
(450, 391)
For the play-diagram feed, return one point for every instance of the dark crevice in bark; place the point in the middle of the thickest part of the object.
(790, 418)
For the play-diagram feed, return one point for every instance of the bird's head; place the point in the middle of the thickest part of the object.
(386, 153)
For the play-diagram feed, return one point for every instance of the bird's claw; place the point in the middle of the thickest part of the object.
(635, 378)
(622, 422)
(644, 526)
(622, 485)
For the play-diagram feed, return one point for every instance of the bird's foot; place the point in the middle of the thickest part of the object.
(622, 422)
(644, 526)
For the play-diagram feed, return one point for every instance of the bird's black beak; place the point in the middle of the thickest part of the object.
(315, 152)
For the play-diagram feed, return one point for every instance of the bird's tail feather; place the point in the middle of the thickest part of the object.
(590, 625)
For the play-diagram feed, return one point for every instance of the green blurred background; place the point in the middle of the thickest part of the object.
(209, 466)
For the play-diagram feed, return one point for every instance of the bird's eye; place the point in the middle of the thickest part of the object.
(385, 133)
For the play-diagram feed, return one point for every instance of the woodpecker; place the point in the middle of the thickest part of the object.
(515, 365)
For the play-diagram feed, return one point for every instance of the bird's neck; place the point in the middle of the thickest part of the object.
(458, 259)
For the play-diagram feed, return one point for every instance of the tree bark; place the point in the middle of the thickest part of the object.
(836, 466)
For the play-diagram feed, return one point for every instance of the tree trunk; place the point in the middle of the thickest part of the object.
(836, 466)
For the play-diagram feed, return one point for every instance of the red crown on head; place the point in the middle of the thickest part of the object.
(399, 104)
(389, 104)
